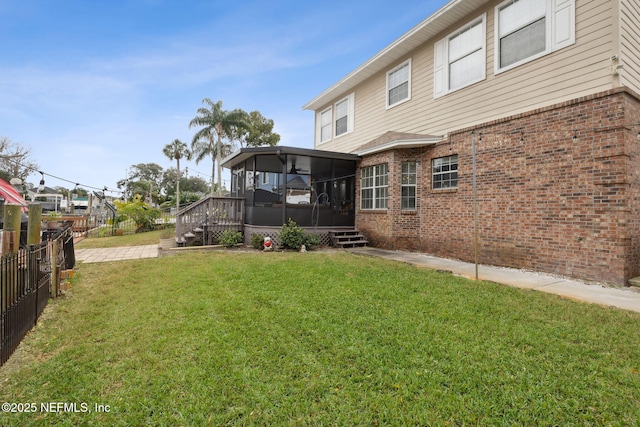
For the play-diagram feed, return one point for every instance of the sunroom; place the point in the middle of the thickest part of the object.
(314, 188)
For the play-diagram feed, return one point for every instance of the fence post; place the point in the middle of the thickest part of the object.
(55, 282)
(34, 226)
(12, 217)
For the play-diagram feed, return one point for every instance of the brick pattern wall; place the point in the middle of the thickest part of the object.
(558, 190)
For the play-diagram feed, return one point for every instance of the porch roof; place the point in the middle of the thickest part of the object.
(391, 140)
(246, 153)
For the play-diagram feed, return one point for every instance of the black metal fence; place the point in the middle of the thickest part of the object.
(99, 225)
(26, 285)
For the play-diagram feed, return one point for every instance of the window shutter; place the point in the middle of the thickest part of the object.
(563, 23)
(351, 120)
(439, 68)
(318, 127)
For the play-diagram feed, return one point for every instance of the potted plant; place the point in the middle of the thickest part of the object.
(52, 220)
(168, 238)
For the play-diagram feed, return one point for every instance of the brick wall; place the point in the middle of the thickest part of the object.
(558, 190)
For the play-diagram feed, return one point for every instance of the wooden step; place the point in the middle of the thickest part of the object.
(347, 238)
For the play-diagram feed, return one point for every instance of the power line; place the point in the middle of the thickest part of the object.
(77, 184)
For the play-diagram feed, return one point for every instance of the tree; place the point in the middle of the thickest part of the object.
(176, 150)
(216, 125)
(192, 184)
(15, 160)
(259, 133)
(144, 179)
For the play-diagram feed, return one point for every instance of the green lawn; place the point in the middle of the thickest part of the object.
(323, 339)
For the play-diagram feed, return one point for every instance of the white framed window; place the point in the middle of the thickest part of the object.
(399, 84)
(325, 125)
(374, 187)
(408, 186)
(460, 58)
(444, 172)
(344, 115)
(529, 29)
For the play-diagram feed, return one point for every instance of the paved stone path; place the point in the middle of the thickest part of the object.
(116, 254)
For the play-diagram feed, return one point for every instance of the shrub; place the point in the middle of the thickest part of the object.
(311, 240)
(139, 212)
(292, 236)
(229, 238)
(257, 241)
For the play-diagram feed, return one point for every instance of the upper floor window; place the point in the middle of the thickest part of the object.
(409, 185)
(325, 122)
(399, 84)
(460, 58)
(335, 120)
(374, 187)
(444, 172)
(344, 115)
(529, 29)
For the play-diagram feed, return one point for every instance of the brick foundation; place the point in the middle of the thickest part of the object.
(558, 190)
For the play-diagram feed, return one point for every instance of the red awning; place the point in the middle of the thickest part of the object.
(10, 195)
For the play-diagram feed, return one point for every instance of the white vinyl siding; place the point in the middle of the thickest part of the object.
(460, 58)
(399, 84)
(528, 29)
(629, 51)
(565, 75)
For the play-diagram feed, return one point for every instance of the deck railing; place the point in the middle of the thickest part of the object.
(211, 216)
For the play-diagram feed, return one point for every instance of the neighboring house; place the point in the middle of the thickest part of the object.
(48, 197)
(546, 91)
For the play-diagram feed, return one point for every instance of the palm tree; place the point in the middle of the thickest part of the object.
(177, 150)
(217, 124)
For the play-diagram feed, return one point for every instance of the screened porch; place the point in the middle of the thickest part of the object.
(314, 188)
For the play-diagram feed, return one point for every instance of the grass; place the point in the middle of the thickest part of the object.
(137, 239)
(320, 339)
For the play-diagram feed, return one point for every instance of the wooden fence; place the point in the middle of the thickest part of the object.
(28, 278)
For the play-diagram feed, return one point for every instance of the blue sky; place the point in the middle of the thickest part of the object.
(93, 87)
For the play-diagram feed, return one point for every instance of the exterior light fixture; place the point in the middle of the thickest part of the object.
(41, 186)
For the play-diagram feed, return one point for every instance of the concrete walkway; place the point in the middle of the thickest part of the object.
(116, 254)
(628, 299)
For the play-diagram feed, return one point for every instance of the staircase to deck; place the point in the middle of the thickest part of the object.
(347, 238)
(203, 222)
